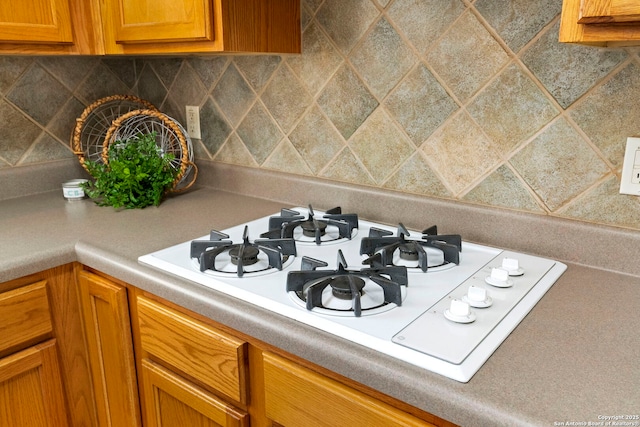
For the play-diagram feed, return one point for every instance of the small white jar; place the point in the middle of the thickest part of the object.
(72, 190)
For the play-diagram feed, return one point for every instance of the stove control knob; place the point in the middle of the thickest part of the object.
(459, 312)
(499, 278)
(477, 297)
(512, 266)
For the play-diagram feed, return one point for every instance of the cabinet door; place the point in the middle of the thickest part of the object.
(38, 21)
(108, 330)
(199, 26)
(171, 401)
(31, 388)
(605, 11)
(50, 27)
(296, 396)
(143, 21)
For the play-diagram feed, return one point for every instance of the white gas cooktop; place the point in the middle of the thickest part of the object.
(452, 318)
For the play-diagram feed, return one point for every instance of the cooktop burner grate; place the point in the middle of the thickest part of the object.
(310, 285)
(384, 249)
(225, 256)
(331, 227)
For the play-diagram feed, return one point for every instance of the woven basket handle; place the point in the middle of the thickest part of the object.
(175, 190)
(76, 135)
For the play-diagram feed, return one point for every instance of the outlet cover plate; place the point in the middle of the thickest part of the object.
(630, 182)
(193, 121)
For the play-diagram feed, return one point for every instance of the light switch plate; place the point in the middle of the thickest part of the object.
(630, 182)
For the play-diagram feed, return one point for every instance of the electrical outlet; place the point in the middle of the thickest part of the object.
(193, 121)
(630, 182)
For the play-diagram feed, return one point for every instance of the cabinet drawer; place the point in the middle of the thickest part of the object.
(24, 315)
(195, 348)
(297, 396)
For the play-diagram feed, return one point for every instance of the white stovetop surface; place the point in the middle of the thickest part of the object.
(428, 339)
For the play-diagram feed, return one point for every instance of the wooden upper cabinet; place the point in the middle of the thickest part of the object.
(50, 27)
(98, 27)
(147, 21)
(40, 21)
(201, 26)
(600, 22)
(606, 11)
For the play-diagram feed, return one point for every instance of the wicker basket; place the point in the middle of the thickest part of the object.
(171, 138)
(91, 127)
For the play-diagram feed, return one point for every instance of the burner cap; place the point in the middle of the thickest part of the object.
(309, 227)
(341, 286)
(408, 251)
(249, 256)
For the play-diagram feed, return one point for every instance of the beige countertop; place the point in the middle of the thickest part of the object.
(574, 358)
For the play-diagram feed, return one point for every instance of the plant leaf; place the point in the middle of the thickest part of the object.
(137, 175)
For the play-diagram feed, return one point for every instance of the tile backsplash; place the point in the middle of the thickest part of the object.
(474, 101)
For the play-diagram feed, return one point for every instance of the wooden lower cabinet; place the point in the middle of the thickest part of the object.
(172, 401)
(44, 373)
(192, 373)
(297, 396)
(105, 310)
(195, 372)
(24, 316)
(31, 389)
(193, 347)
(96, 351)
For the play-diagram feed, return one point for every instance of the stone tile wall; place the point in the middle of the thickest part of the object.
(474, 101)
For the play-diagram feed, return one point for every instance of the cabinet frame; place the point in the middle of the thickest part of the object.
(107, 325)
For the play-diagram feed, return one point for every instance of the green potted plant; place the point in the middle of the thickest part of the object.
(138, 174)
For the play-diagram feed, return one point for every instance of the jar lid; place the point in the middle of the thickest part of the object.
(74, 183)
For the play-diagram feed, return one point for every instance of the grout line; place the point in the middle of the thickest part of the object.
(419, 59)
